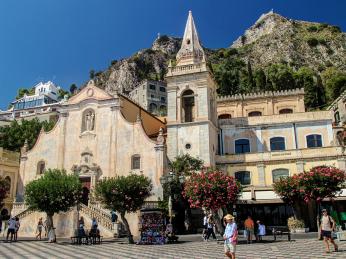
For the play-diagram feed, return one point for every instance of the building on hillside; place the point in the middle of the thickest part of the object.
(97, 135)
(43, 104)
(265, 136)
(9, 168)
(338, 108)
(152, 96)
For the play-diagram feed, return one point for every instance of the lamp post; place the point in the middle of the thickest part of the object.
(168, 179)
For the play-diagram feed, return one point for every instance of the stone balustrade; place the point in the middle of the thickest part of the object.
(276, 118)
(96, 213)
(293, 154)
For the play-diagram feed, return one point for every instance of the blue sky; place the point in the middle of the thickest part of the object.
(62, 40)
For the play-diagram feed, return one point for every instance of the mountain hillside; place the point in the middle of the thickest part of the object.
(276, 53)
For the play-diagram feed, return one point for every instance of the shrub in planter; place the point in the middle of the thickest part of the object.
(295, 224)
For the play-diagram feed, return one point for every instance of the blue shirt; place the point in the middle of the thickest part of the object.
(229, 231)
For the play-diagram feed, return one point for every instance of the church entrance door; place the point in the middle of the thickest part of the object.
(85, 189)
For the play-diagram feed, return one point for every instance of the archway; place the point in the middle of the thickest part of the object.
(86, 181)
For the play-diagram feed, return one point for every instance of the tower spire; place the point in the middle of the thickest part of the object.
(191, 51)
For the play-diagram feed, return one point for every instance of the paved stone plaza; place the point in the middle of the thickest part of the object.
(299, 248)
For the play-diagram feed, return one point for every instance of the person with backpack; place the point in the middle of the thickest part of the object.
(327, 225)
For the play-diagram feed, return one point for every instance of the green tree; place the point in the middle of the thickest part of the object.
(185, 165)
(306, 78)
(260, 80)
(73, 88)
(335, 83)
(54, 192)
(4, 189)
(13, 136)
(62, 93)
(281, 77)
(124, 194)
(228, 75)
(23, 91)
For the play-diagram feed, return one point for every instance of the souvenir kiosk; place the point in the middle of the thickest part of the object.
(152, 225)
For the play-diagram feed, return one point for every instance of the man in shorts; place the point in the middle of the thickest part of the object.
(11, 228)
(230, 236)
(327, 225)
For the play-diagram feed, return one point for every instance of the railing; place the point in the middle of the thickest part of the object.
(21, 210)
(186, 68)
(281, 155)
(100, 216)
(150, 205)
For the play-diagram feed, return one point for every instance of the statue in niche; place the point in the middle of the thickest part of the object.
(89, 121)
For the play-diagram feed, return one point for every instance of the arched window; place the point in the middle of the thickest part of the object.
(286, 110)
(136, 162)
(152, 107)
(280, 173)
(225, 116)
(337, 117)
(41, 167)
(243, 177)
(314, 140)
(254, 113)
(88, 120)
(8, 179)
(277, 143)
(242, 146)
(163, 110)
(188, 106)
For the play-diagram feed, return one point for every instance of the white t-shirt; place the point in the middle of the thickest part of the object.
(11, 224)
(261, 230)
(205, 220)
(326, 221)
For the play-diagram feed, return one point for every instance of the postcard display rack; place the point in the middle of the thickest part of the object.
(152, 226)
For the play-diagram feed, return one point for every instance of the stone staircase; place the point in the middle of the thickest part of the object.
(103, 216)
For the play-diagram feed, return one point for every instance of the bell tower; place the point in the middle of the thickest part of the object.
(191, 91)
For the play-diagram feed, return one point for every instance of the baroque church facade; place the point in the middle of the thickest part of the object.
(248, 137)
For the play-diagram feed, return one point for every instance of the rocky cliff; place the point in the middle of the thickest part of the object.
(272, 39)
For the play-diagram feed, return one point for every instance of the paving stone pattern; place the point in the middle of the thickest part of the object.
(300, 248)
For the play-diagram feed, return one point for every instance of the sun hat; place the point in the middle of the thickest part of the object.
(228, 217)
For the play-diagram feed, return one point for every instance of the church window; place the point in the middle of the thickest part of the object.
(242, 146)
(188, 106)
(314, 140)
(152, 107)
(243, 177)
(285, 111)
(88, 121)
(255, 113)
(188, 146)
(277, 143)
(136, 162)
(337, 117)
(41, 167)
(225, 116)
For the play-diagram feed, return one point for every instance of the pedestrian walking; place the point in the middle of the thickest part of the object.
(327, 225)
(230, 236)
(210, 228)
(205, 226)
(261, 231)
(45, 225)
(11, 228)
(249, 229)
(39, 228)
(16, 229)
(94, 226)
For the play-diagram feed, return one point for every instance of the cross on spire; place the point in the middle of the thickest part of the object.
(191, 51)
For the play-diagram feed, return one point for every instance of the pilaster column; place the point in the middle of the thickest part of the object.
(261, 174)
(341, 163)
(161, 162)
(62, 140)
(300, 166)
